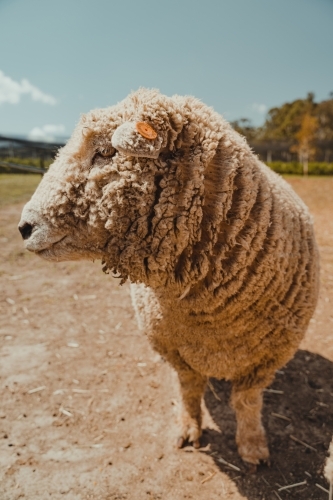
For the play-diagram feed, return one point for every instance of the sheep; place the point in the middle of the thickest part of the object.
(328, 470)
(219, 250)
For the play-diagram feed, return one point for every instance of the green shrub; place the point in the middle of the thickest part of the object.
(315, 168)
(32, 162)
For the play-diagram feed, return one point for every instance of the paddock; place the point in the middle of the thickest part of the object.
(88, 410)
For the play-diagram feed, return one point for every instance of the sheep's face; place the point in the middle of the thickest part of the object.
(97, 199)
(122, 189)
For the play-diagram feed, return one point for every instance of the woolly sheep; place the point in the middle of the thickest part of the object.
(219, 250)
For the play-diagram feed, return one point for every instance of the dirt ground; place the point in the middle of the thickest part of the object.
(89, 411)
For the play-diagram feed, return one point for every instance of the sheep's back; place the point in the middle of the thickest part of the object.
(238, 261)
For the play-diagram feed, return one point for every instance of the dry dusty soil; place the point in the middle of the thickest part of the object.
(89, 411)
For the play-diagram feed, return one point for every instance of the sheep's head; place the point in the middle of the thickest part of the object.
(125, 189)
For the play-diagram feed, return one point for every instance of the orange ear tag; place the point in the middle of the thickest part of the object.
(146, 130)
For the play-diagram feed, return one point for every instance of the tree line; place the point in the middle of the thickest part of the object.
(302, 128)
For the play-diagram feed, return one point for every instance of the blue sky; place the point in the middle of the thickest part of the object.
(60, 59)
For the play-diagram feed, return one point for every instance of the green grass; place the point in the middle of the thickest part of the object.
(315, 168)
(17, 188)
(34, 162)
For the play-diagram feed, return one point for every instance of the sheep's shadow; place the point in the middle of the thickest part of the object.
(301, 407)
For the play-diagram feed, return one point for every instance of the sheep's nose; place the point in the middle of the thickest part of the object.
(26, 230)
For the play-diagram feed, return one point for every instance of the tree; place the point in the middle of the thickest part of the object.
(305, 137)
(284, 122)
(303, 126)
(245, 127)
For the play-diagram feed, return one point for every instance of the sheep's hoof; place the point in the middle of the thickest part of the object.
(196, 444)
(254, 450)
(182, 441)
(190, 432)
(255, 457)
(252, 468)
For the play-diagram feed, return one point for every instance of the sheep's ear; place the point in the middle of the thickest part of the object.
(137, 139)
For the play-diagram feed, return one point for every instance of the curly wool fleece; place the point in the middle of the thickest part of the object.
(220, 251)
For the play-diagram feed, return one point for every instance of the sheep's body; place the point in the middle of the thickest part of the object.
(250, 310)
(220, 251)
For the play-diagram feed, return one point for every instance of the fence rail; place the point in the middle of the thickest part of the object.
(26, 168)
(14, 149)
(40, 145)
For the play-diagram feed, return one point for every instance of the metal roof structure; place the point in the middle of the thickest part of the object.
(37, 152)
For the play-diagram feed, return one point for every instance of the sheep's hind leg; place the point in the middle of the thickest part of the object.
(250, 435)
(192, 386)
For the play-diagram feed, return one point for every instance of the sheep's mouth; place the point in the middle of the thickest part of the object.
(65, 249)
(51, 251)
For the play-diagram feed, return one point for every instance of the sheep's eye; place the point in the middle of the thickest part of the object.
(104, 154)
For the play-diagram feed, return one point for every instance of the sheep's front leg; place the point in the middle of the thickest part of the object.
(192, 386)
(250, 435)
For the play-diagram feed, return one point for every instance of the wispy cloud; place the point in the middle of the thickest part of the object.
(12, 91)
(259, 108)
(46, 133)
